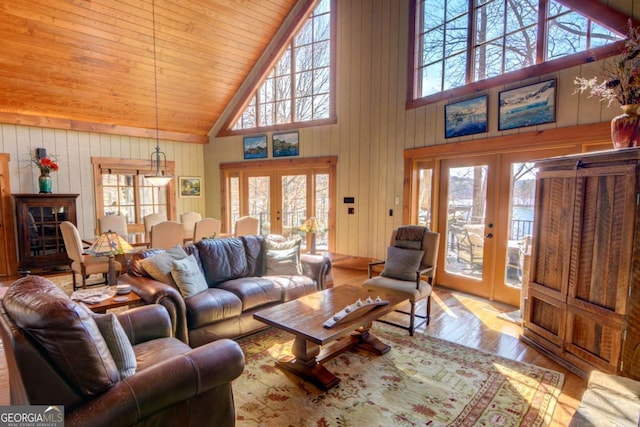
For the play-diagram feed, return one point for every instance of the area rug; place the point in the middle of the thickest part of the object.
(65, 281)
(422, 381)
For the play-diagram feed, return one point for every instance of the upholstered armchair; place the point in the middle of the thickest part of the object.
(409, 271)
(108, 370)
(82, 264)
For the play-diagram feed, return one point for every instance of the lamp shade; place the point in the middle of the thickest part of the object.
(108, 244)
(311, 225)
(158, 177)
(158, 180)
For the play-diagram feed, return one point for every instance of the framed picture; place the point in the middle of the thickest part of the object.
(190, 186)
(529, 105)
(285, 144)
(465, 117)
(255, 147)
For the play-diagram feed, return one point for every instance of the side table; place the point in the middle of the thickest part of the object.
(131, 299)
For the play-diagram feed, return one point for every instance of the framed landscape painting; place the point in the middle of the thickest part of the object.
(190, 186)
(530, 105)
(285, 144)
(465, 117)
(255, 147)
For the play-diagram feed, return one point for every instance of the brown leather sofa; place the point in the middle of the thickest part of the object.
(234, 269)
(56, 355)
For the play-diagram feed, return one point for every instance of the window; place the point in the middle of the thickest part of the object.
(483, 39)
(121, 189)
(298, 88)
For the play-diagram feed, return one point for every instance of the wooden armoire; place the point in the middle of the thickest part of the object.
(583, 295)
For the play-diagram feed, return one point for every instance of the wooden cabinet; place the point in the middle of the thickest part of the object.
(583, 295)
(40, 241)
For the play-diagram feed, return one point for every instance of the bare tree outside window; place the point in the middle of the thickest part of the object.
(298, 89)
(505, 37)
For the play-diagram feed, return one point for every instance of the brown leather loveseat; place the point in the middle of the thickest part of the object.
(59, 353)
(238, 283)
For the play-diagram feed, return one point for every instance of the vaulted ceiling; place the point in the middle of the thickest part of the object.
(89, 64)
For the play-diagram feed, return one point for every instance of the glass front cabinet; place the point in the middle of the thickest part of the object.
(40, 244)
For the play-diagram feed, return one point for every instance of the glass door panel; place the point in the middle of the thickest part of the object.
(520, 224)
(234, 200)
(322, 210)
(466, 226)
(259, 202)
(466, 197)
(425, 188)
(293, 210)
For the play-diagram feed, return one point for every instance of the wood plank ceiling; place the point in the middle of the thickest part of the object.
(89, 64)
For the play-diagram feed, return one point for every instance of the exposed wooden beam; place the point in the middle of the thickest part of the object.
(112, 129)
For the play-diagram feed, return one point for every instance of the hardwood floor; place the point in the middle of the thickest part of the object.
(456, 317)
(474, 322)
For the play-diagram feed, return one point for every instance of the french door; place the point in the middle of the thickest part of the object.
(483, 209)
(283, 198)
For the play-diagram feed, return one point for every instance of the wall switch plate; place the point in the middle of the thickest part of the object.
(390, 212)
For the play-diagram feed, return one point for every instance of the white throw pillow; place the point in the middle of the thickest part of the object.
(187, 275)
(159, 266)
(118, 343)
(283, 258)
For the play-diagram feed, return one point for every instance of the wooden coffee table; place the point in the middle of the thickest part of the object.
(131, 300)
(304, 318)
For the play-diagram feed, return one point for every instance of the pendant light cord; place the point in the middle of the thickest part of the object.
(158, 177)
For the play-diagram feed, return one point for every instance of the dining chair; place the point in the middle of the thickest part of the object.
(166, 234)
(188, 220)
(115, 223)
(151, 220)
(206, 227)
(81, 264)
(246, 225)
(411, 257)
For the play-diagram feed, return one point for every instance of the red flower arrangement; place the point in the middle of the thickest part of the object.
(46, 165)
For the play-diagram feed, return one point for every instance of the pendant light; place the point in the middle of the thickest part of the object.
(157, 176)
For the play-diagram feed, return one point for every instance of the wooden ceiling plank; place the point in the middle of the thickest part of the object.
(91, 62)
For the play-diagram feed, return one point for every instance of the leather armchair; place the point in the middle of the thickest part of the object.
(53, 357)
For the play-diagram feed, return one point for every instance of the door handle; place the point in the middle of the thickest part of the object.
(489, 236)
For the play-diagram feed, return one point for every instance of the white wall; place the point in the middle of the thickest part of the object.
(74, 151)
(374, 128)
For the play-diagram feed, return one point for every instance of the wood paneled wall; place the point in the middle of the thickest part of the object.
(374, 128)
(74, 150)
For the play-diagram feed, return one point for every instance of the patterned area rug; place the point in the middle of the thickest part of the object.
(65, 281)
(421, 381)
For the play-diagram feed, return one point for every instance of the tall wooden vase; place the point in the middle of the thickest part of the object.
(625, 128)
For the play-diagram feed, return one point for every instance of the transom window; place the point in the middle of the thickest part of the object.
(456, 45)
(298, 88)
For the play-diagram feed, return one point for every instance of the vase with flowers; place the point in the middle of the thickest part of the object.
(620, 83)
(46, 166)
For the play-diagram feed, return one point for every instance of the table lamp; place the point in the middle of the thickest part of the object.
(110, 244)
(311, 226)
